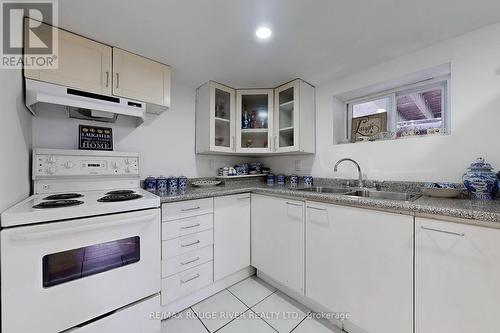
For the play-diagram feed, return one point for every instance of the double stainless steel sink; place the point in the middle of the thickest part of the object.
(364, 193)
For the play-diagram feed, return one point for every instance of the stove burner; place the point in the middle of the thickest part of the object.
(63, 196)
(58, 203)
(120, 192)
(119, 197)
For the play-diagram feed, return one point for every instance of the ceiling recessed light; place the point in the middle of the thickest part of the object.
(263, 33)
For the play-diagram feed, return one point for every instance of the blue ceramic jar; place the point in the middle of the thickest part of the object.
(308, 181)
(150, 184)
(480, 180)
(270, 179)
(294, 181)
(280, 180)
(162, 185)
(182, 183)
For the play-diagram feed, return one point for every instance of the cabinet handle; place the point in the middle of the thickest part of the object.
(191, 226)
(191, 279)
(189, 209)
(184, 263)
(275, 139)
(316, 208)
(117, 80)
(191, 244)
(293, 204)
(242, 198)
(107, 79)
(234, 141)
(461, 234)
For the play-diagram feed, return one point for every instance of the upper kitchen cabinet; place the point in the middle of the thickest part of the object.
(294, 118)
(82, 63)
(254, 114)
(140, 78)
(215, 118)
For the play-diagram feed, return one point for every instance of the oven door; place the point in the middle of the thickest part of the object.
(61, 274)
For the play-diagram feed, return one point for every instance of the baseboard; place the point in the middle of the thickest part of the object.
(170, 309)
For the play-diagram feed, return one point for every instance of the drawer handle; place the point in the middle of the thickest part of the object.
(461, 234)
(191, 226)
(316, 208)
(184, 263)
(191, 279)
(191, 244)
(294, 204)
(189, 209)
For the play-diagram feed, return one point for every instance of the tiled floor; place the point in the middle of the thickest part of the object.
(249, 306)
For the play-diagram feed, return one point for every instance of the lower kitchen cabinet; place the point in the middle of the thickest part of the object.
(231, 234)
(361, 262)
(457, 277)
(277, 240)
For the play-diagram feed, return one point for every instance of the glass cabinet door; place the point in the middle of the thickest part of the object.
(286, 117)
(255, 120)
(222, 108)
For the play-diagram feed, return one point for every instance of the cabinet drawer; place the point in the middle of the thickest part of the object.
(182, 209)
(189, 225)
(184, 283)
(175, 247)
(186, 261)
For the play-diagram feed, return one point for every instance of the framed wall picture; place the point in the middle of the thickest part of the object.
(368, 126)
(95, 138)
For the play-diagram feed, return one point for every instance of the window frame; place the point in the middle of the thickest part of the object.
(442, 82)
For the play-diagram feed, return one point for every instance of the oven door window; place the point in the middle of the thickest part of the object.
(75, 264)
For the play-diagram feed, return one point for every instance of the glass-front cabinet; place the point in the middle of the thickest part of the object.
(256, 121)
(215, 111)
(254, 124)
(286, 117)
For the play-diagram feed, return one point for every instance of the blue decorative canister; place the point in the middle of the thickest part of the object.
(308, 181)
(280, 179)
(182, 183)
(150, 184)
(162, 184)
(294, 181)
(172, 185)
(270, 179)
(480, 180)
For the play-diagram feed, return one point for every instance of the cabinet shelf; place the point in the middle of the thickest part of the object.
(222, 120)
(254, 130)
(287, 106)
(286, 129)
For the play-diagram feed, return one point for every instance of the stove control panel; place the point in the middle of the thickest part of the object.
(52, 163)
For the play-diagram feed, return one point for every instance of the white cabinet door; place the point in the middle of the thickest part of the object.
(231, 234)
(361, 262)
(457, 274)
(286, 118)
(140, 78)
(82, 64)
(254, 120)
(278, 240)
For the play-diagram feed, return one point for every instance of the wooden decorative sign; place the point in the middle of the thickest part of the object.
(368, 126)
(95, 138)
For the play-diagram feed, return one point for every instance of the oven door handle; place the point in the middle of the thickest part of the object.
(34, 235)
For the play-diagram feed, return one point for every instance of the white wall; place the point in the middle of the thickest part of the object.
(15, 140)
(165, 142)
(475, 117)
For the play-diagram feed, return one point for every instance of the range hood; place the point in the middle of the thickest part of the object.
(81, 104)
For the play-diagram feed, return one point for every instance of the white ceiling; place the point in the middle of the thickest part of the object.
(312, 39)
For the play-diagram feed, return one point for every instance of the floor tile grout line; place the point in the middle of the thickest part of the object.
(303, 319)
(236, 317)
(245, 304)
(196, 314)
(262, 300)
(264, 320)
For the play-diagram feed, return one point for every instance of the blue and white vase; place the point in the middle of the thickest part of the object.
(150, 184)
(480, 180)
(172, 185)
(280, 180)
(182, 183)
(270, 179)
(162, 185)
(308, 181)
(294, 181)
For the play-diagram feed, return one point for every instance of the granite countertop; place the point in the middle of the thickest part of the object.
(484, 213)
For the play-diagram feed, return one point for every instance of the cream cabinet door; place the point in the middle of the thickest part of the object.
(140, 78)
(83, 64)
(277, 240)
(457, 274)
(360, 262)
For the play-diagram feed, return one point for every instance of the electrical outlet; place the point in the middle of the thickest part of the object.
(297, 165)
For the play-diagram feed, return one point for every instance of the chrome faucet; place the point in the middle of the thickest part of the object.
(360, 175)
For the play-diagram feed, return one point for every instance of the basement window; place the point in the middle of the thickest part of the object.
(415, 110)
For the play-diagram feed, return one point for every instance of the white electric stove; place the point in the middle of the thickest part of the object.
(83, 253)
